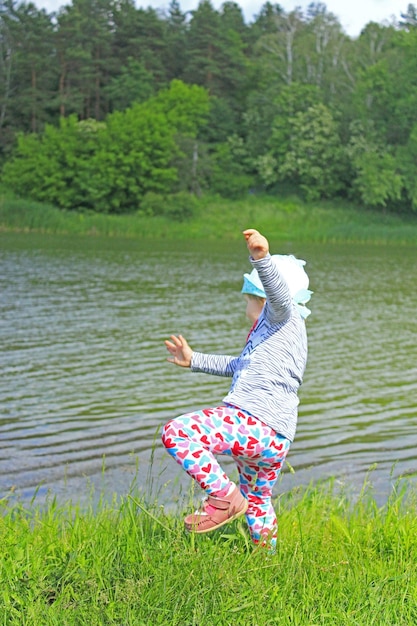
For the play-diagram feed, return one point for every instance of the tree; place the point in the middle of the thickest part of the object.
(315, 158)
(401, 115)
(134, 157)
(265, 20)
(27, 65)
(278, 48)
(268, 123)
(409, 19)
(228, 175)
(84, 44)
(216, 58)
(175, 57)
(109, 166)
(132, 84)
(140, 34)
(376, 179)
(305, 47)
(187, 109)
(37, 59)
(6, 60)
(233, 20)
(324, 51)
(54, 166)
(406, 161)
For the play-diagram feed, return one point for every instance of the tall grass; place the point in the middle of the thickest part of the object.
(283, 219)
(128, 562)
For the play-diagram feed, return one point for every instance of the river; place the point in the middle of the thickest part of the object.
(85, 386)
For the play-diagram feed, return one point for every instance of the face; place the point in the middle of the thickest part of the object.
(254, 308)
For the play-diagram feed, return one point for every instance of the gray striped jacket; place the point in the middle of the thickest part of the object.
(269, 371)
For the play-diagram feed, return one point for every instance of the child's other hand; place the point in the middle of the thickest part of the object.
(180, 351)
(258, 245)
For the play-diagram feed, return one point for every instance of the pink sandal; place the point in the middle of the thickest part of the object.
(217, 512)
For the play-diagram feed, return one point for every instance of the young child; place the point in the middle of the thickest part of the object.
(256, 422)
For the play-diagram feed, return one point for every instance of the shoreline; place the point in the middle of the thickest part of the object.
(283, 219)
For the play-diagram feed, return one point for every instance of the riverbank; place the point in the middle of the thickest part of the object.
(130, 563)
(284, 220)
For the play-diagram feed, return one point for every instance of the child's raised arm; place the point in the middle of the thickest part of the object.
(279, 302)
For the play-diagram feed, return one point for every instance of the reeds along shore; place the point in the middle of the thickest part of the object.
(283, 219)
(128, 562)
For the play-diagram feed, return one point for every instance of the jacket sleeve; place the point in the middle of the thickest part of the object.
(216, 364)
(279, 302)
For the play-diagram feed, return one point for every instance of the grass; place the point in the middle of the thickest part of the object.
(283, 219)
(128, 562)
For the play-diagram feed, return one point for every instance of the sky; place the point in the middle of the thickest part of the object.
(352, 14)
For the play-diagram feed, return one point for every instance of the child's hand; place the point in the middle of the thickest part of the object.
(258, 245)
(180, 350)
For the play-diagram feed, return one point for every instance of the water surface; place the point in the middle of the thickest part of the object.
(85, 383)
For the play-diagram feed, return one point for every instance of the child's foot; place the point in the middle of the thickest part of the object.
(217, 511)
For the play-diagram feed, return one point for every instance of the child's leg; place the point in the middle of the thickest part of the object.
(257, 480)
(193, 439)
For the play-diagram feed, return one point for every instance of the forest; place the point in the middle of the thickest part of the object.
(108, 107)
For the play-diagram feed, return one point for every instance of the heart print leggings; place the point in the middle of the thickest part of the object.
(195, 438)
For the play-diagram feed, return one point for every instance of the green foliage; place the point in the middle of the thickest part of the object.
(407, 166)
(178, 207)
(133, 84)
(216, 58)
(375, 171)
(109, 167)
(185, 107)
(292, 100)
(56, 166)
(134, 157)
(374, 97)
(192, 164)
(277, 134)
(404, 79)
(267, 119)
(377, 180)
(228, 175)
(27, 78)
(255, 81)
(84, 57)
(176, 55)
(221, 122)
(278, 47)
(315, 158)
(138, 34)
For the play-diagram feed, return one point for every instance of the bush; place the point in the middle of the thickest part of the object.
(178, 207)
(109, 167)
(228, 175)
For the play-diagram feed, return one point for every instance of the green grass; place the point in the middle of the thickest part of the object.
(283, 219)
(130, 563)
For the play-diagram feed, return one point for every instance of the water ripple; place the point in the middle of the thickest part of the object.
(85, 382)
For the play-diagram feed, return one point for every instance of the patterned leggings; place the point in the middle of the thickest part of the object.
(194, 438)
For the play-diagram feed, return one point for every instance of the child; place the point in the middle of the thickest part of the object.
(256, 423)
